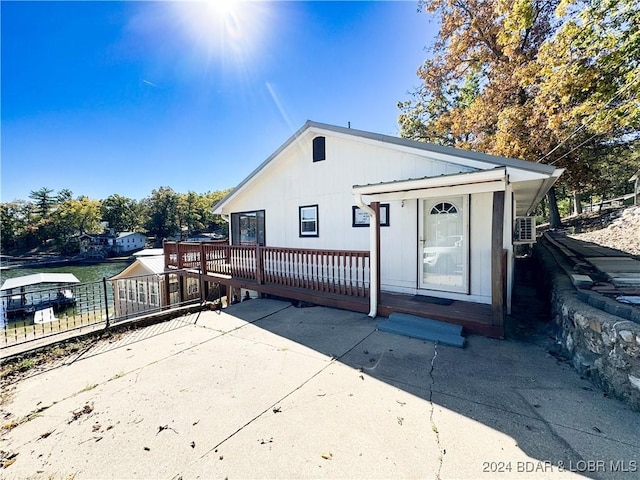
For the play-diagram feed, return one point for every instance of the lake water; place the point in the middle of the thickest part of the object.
(84, 273)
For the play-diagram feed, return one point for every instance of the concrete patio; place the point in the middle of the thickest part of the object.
(266, 390)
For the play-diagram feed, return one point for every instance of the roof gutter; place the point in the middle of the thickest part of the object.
(373, 256)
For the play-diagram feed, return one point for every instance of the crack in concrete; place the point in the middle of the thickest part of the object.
(434, 427)
(271, 407)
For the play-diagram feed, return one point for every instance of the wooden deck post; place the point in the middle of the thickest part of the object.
(498, 269)
(259, 273)
(179, 256)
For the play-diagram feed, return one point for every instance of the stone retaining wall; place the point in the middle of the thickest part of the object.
(602, 346)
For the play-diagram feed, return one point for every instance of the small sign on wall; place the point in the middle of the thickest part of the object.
(360, 218)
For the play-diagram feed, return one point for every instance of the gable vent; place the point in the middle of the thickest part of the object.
(525, 231)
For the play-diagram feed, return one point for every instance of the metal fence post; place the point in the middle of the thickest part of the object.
(106, 300)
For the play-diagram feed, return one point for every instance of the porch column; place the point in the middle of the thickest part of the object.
(374, 249)
(498, 261)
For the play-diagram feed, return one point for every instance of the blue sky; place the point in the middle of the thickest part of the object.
(126, 97)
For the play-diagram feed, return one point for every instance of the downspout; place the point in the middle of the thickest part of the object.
(373, 256)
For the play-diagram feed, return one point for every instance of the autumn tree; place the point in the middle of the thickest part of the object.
(588, 84)
(542, 81)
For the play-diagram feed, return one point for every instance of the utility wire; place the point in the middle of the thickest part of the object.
(584, 125)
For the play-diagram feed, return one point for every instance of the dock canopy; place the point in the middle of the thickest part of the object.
(38, 278)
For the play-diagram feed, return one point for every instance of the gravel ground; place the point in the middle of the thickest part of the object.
(619, 229)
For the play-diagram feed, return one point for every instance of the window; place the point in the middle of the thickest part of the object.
(247, 228)
(309, 221)
(142, 292)
(360, 218)
(319, 149)
(193, 286)
(153, 294)
(443, 207)
(131, 290)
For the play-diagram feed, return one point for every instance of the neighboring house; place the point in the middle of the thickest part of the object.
(142, 287)
(95, 245)
(128, 242)
(111, 243)
(449, 218)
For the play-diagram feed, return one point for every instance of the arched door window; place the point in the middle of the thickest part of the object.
(443, 254)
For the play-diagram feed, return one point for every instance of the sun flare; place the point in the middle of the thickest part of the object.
(230, 30)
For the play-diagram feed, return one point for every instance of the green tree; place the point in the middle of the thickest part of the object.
(121, 213)
(44, 201)
(64, 195)
(76, 217)
(18, 225)
(215, 222)
(162, 212)
(79, 216)
(196, 211)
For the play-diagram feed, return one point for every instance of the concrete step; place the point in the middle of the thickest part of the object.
(421, 322)
(423, 329)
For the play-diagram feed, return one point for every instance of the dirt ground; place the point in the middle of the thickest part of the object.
(617, 228)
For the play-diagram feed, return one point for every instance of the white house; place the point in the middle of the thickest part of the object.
(129, 241)
(111, 243)
(447, 217)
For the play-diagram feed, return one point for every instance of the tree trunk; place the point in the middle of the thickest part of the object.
(543, 207)
(554, 214)
(577, 203)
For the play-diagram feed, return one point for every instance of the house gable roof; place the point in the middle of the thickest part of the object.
(469, 158)
(152, 265)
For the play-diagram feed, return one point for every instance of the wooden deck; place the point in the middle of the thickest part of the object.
(332, 278)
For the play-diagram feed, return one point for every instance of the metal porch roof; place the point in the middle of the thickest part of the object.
(37, 278)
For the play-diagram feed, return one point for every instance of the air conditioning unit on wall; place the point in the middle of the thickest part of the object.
(525, 230)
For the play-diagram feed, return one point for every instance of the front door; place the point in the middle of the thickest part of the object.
(443, 256)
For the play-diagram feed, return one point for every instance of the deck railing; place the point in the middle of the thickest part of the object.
(343, 272)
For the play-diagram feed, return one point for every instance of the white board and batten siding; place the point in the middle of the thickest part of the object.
(294, 180)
